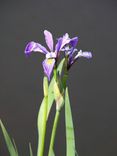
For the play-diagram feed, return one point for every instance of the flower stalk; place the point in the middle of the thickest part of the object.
(51, 147)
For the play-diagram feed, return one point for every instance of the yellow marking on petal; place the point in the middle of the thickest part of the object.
(49, 61)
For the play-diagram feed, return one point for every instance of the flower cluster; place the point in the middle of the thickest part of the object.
(64, 45)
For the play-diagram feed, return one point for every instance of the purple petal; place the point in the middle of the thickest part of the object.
(85, 54)
(62, 41)
(48, 65)
(45, 51)
(58, 45)
(65, 40)
(71, 50)
(36, 47)
(48, 39)
(74, 41)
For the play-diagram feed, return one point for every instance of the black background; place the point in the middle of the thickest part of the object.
(92, 83)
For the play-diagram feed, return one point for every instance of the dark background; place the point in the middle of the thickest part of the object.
(92, 83)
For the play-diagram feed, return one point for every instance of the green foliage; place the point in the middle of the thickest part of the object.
(70, 139)
(42, 116)
(52, 153)
(52, 92)
(10, 145)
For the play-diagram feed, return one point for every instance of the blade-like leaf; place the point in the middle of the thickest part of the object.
(42, 116)
(70, 139)
(8, 141)
(76, 153)
(15, 146)
(30, 149)
(41, 126)
(50, 90)
(52, 153)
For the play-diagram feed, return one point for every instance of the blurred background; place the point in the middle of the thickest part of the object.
(92, 83)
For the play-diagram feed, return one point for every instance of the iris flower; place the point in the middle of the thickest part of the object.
(52, 54)
(70, 50)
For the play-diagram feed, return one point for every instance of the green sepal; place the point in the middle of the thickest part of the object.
(10, 145)
(70, 138)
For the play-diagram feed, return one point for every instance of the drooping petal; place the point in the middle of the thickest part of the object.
(48, 65)
(45, 51)
(85, 54)
(49, 39)
(36, 47)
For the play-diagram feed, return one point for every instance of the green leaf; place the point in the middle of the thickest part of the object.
(11, 148)
(76, 153)
(50, 90)
(70, 139)
(42, 116)
(15, 146)
(30, 149)
(52, 153)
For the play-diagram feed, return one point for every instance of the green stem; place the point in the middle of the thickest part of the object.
(64, 80)
(53, 132)
(55, 73)
(65, 76)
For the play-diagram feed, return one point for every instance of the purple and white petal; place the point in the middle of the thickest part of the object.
(48, 65)
(65, 40)
(62, 41)
(58, 45)
(36, 47)
(30, 47)
(85, 54)
(51, 55)
(44, 50)
(48, 39)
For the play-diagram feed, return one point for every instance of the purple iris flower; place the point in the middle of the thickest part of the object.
(52, 54)
(70, 51)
